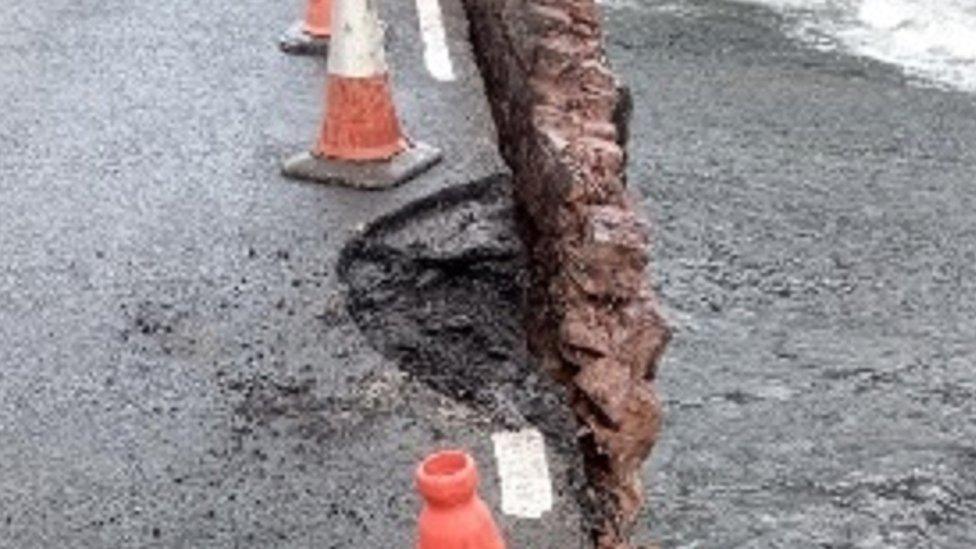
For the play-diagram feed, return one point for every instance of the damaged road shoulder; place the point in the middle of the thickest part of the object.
(439, 289)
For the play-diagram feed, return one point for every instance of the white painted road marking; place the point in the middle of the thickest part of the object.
(522, 466)
(437, 56)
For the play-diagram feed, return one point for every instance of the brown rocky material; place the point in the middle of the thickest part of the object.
(593, 320)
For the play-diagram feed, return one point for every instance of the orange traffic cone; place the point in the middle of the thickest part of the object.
(453, 516)
(361, 143)
(311, 36)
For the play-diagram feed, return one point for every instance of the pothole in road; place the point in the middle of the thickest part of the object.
(439, 289)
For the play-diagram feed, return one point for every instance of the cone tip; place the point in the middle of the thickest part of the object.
(447, 477)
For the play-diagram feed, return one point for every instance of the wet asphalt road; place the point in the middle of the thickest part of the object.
(178, 367)
(816, 249)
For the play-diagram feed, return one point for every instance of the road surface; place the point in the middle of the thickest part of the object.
(814, 247)
(179, 366)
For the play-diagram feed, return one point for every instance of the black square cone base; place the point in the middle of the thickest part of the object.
(371, 175)
(298, 42)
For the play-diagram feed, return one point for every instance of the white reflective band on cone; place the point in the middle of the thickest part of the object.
(356, 50)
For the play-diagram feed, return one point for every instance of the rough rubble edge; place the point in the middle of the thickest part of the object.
(592, 318)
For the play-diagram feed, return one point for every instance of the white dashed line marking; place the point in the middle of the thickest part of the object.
(437, 56)
(524, 471)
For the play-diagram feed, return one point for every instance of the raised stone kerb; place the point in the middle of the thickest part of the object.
(593, 321)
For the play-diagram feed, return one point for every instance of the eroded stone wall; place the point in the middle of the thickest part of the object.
(593, 321)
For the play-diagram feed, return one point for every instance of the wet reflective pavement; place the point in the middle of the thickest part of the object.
(178, 364)
(814, 247)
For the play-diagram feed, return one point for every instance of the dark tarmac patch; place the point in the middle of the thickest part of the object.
(294, 410)
(439, 289)
(154, 326)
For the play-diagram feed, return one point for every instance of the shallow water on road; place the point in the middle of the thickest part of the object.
(931, 40)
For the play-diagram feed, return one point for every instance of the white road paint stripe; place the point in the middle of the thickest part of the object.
(437, 55)
(524, 471)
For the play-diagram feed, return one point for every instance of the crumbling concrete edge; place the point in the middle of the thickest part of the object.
(593, 321)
